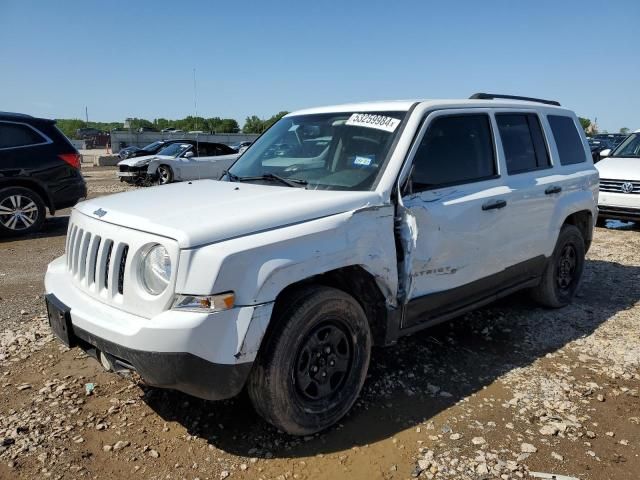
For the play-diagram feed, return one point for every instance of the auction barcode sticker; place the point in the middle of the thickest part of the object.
(380, 122)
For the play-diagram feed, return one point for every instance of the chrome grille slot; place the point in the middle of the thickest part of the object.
(107, 263)
(72, 235)
(70, 232)
(123, 263)
(77, 240)
(608, 185)
(82, 261)
(92, 259)
(101, 264)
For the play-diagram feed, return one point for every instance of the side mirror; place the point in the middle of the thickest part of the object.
(189, 154)
(605, 153)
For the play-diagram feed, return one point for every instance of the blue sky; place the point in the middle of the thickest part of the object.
(127, 58)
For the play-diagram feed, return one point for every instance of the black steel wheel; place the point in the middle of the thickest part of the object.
(313, 360)
(566, 266)
(563, 272)
(323, 361)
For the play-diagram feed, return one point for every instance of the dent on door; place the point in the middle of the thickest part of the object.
(448, 239)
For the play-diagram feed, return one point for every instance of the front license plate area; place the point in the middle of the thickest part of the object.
(60, 320)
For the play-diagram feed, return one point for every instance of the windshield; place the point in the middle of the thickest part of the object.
(332, 151)
(152, 146)
(174, 149)
(629, 148)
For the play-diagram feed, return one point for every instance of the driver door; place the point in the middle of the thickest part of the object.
(456, 211)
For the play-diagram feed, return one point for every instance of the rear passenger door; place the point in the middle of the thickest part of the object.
(534, 186)
(457, 220)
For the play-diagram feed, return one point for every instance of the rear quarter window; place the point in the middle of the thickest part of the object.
(567, 139)
(523, 142)
(16, 135)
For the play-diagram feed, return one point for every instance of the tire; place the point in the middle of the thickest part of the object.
(313, 363)
(165, 174)
(22, 211)
(563, 272)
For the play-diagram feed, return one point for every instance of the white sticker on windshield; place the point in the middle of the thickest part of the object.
(365, 161)
(388, 124)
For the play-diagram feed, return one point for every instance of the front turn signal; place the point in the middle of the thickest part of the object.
(204, 303)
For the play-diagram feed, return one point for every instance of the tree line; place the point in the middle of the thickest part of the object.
(252, 124)
(590, 127)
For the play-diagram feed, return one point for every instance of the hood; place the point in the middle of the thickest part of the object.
(207, 211)
(130, 149)
(619, 168)
(143, 160)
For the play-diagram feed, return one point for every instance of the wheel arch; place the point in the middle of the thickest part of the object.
(359, 284)
(584, 221)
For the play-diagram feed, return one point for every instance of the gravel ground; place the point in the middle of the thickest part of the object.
(503, 392)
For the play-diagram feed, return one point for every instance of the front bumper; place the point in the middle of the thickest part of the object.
(619, 213)
(619, 206)
(178, 371)
(200, 354)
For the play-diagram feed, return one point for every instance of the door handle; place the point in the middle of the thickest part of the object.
(553, 189)
(494, 204)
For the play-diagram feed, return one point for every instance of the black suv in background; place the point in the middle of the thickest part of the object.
(39, 170)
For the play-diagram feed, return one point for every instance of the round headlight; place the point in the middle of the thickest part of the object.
(155, 270)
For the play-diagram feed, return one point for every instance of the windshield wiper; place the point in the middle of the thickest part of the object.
(290, 182)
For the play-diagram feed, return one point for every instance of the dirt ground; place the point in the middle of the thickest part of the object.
(503, 392)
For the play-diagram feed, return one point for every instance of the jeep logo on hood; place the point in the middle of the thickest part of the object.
(100, 213)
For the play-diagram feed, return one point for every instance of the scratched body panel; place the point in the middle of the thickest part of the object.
(452, 237)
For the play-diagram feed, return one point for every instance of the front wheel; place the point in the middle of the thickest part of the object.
(165, 174)
(314, 361)
(563, 272)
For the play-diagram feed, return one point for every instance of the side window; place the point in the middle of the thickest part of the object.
(568, 140)
(522, 142)
(455, 149)
(16, 135)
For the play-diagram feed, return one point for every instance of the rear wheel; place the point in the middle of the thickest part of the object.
(313, 363)
(563, 272)
(165, 174)
(22, 211)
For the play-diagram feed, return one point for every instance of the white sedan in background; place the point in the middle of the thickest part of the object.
(188, 167)
(176, 162)
(619, 196)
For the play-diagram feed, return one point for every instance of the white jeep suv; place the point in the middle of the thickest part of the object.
(339, 228)
(620, 181)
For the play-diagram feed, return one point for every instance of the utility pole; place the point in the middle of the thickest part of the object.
(195, 98)
(86, 114)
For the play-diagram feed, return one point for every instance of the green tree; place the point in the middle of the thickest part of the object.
(227, 125)
(274, 119)
(136, 123)
(585, 123)
(253, 124)
(69, 126)
(162, 123)
(624, 131)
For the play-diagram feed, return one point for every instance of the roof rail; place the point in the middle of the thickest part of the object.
(493, 96)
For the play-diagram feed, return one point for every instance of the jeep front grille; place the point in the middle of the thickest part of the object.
(95, 262)
(619, 186)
